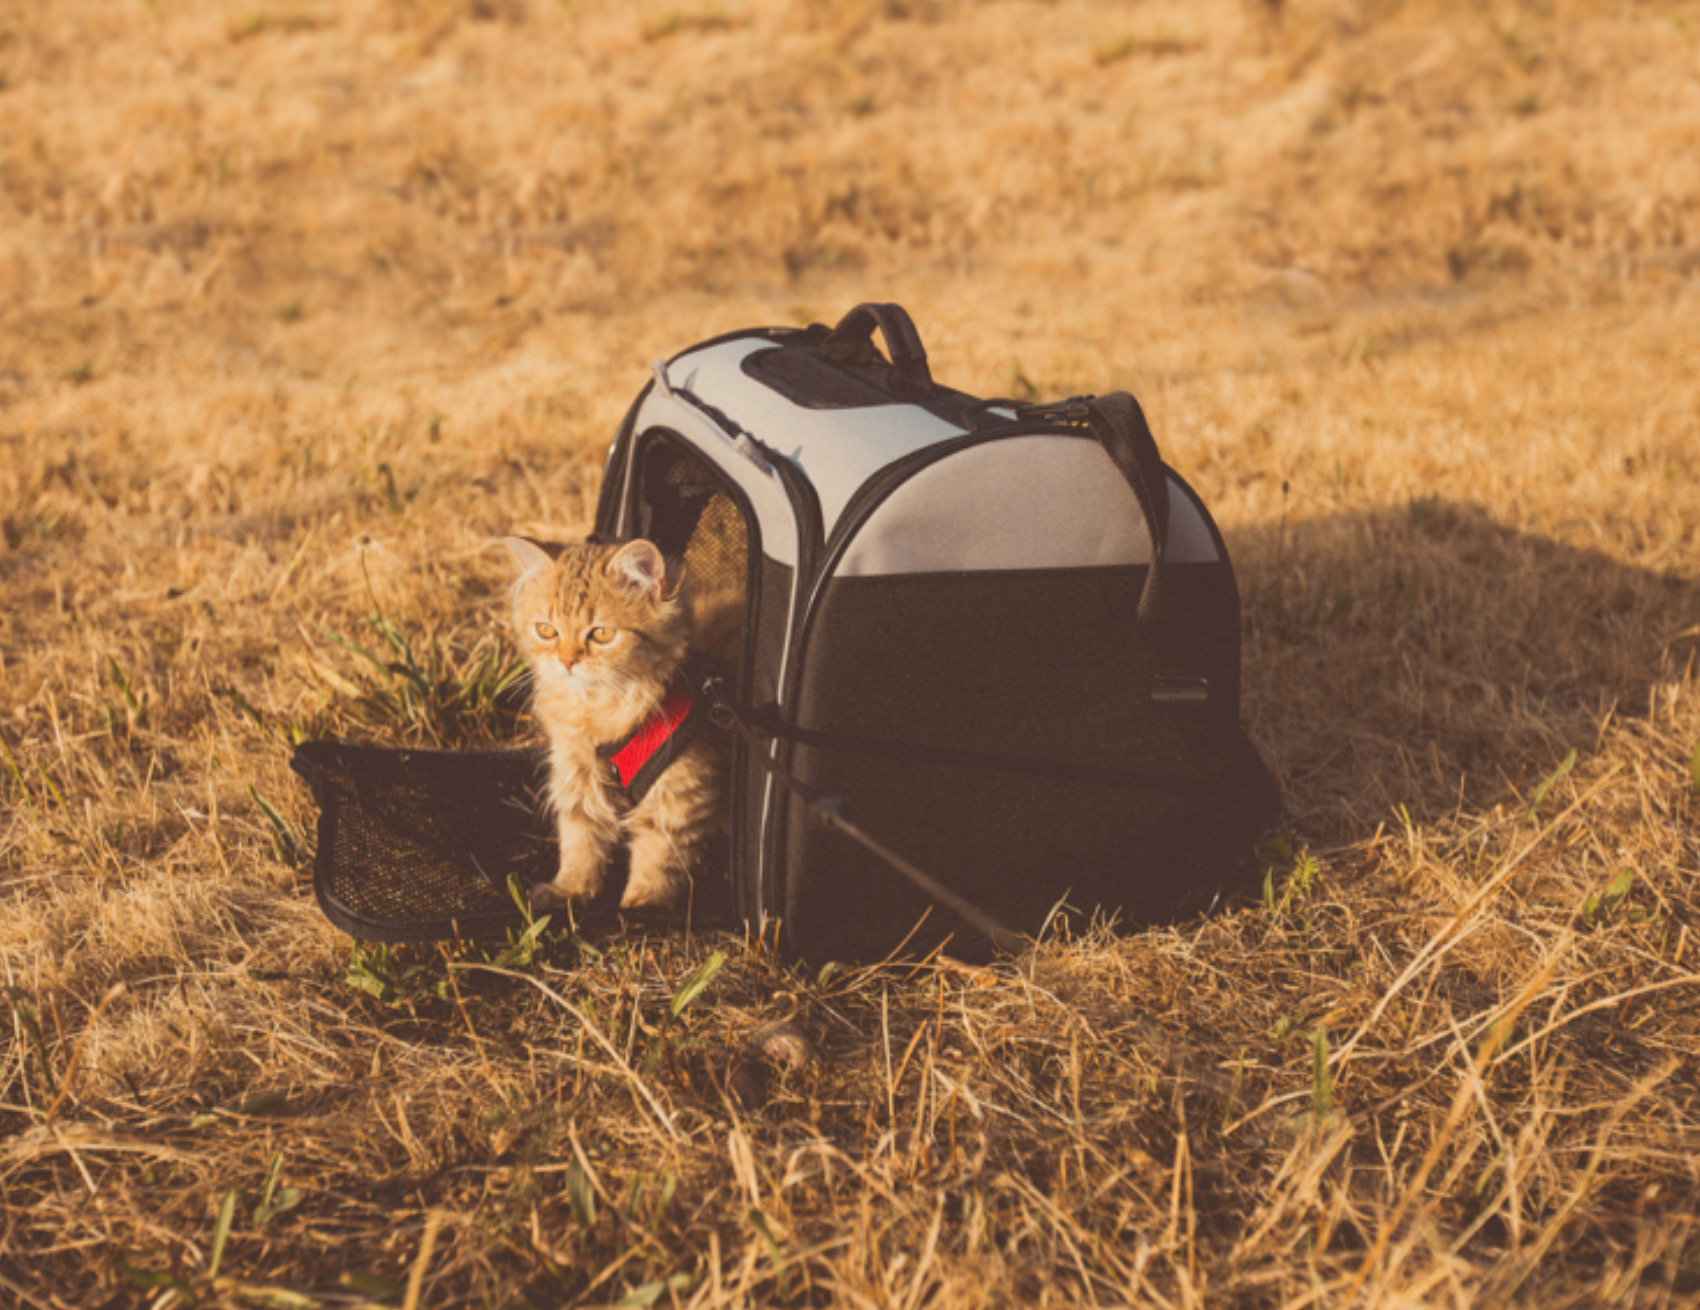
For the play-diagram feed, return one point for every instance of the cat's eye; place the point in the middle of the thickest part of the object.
(601, 635)
(547, 631)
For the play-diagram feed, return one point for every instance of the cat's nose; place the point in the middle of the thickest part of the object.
(568, 663)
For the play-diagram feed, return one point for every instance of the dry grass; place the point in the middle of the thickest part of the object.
(302, 303)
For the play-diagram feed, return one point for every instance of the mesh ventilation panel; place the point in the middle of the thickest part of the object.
(717, 558)
(419, 845)
(684, 508)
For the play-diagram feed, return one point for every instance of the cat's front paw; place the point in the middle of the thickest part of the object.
(547, 897)
(660, 864)
(655, 889)
(573, 885)
(578, 877)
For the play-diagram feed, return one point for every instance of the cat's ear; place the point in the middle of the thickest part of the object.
(641, 567)
(530, 557)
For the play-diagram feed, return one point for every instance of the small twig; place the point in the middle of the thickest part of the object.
(289, 569)
(416, 1277)
(112, 994)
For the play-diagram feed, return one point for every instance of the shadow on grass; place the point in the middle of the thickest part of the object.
(1434, 658)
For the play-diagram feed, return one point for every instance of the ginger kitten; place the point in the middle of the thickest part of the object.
(606, 631)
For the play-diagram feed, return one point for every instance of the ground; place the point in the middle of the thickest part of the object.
(303, 305)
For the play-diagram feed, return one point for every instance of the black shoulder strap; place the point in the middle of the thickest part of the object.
(1120, 427)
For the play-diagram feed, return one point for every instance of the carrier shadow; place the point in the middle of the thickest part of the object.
(1434, 658)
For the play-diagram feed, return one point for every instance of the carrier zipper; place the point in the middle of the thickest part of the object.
(740, 440)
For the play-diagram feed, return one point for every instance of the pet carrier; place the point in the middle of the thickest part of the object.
(993, 641)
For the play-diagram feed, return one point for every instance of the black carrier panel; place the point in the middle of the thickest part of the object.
(999, 730)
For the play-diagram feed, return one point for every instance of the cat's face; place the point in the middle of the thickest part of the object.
(597, 617)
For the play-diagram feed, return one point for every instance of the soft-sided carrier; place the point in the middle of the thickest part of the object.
(1005, 637)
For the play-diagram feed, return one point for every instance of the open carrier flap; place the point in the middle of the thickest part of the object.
(419, 845)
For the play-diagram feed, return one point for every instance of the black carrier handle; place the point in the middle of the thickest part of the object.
(851, 342)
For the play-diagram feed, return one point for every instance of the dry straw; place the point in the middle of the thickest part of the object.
(303, 305)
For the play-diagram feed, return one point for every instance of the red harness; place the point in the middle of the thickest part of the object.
(659, 740)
